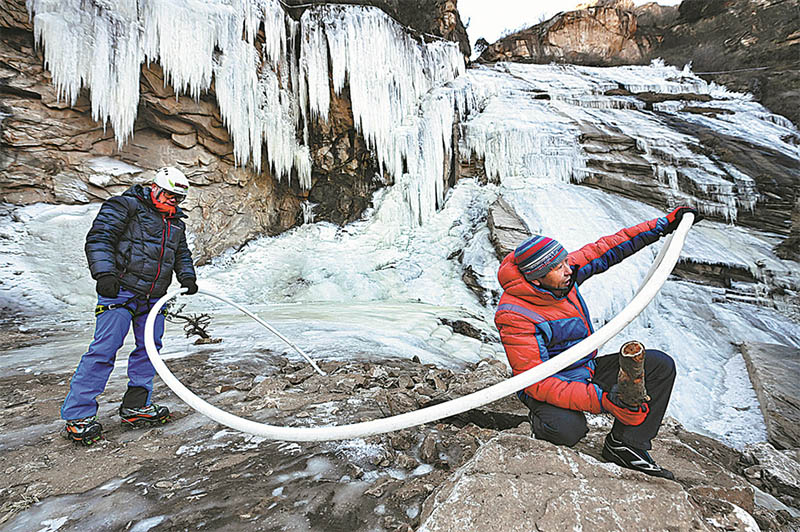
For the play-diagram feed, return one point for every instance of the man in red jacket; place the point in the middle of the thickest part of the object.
(541, 314)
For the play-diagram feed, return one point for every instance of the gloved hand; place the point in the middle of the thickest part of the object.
(191, 284)
(674, 218)
(624, 414)
(107, 285)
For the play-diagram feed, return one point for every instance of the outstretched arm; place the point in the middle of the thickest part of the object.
(599, 256)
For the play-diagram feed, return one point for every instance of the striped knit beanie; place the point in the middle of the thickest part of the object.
(538, 255)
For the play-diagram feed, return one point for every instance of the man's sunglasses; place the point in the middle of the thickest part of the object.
(171, 195)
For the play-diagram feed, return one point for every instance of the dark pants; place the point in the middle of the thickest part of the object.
(566, 427)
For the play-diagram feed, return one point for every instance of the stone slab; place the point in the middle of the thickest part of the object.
(773, 370)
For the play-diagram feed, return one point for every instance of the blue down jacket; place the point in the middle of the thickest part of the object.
(141, 246)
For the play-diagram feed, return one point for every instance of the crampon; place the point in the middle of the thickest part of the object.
(144, 416)
(86, 430)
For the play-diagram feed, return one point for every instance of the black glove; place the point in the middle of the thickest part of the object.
(674, 218)
(108, 285)
(191, 284)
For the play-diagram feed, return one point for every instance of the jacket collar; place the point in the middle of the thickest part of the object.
(142, 194)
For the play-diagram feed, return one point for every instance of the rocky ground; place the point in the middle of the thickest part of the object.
(193, 473)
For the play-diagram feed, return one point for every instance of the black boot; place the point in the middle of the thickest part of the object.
(85, 430)
(134, 412)
(633, 458)
(145, 415)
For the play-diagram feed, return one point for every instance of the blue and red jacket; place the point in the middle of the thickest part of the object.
(535, 325)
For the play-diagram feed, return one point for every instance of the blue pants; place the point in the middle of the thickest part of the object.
(566, 427)
(96, 364)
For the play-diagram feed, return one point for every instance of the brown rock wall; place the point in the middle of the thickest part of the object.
(598, 35)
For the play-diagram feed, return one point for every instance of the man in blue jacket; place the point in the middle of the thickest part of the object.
(136, 242)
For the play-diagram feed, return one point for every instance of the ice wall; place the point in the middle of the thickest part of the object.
(533, 119)
(264, 94)
(388, 74)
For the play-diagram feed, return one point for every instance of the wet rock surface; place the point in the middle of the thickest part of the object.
(193, 472)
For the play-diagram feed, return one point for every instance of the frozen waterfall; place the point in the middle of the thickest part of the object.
(260, 95)
(382, 285)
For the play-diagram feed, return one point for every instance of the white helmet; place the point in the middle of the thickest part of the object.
(172, 180)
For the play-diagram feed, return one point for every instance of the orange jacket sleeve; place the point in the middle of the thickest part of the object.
(526, 349)
(599, 256)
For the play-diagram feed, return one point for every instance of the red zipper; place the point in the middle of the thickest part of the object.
(164, 236)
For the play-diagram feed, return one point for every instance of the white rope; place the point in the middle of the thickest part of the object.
(658, 274)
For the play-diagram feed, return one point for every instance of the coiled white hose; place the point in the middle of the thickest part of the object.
(655, 278)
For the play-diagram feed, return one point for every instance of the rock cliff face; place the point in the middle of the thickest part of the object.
(596, 35)
(747, 45)
(51, 152)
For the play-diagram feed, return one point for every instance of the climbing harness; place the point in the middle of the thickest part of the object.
(99, 309)
(655, 279)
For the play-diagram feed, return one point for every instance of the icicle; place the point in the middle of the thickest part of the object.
(182, 36)
(389, 74)
(88, 44)
(101, 45)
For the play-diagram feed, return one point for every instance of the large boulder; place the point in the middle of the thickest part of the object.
(515, 482)
(773, 371)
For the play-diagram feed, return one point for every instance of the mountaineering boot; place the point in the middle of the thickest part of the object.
(85, 430)
(633, 458)
(144, 415)
(135, 412)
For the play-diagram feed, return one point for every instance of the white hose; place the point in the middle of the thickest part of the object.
(259, 320)
(656, 278)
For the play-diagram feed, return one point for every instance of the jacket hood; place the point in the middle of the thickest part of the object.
(515, 284)
(142, 194)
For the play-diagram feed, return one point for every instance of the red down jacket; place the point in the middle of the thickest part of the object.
(536, 326)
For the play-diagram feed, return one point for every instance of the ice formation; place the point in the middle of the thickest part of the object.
(262, 95)
(520, 119)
